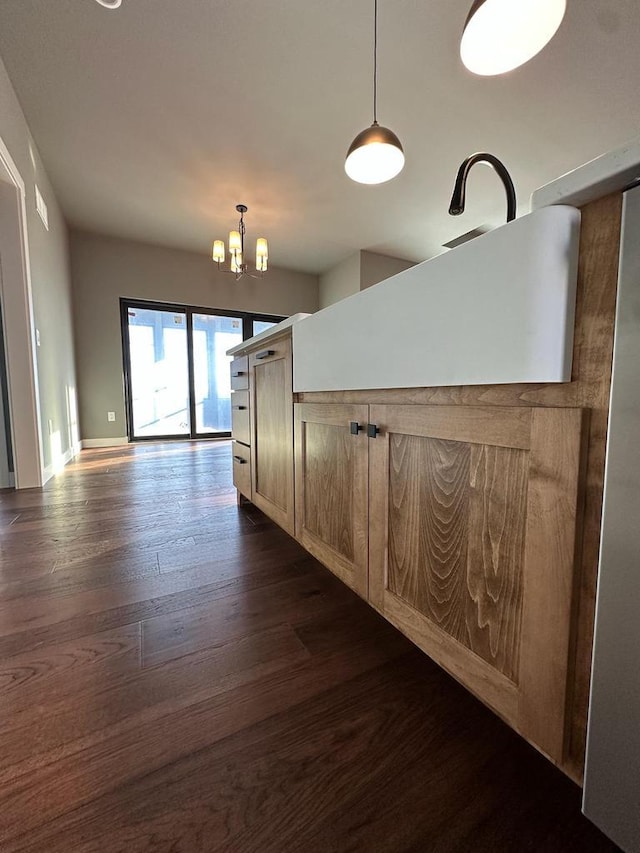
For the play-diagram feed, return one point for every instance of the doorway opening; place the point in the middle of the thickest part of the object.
(177, 381)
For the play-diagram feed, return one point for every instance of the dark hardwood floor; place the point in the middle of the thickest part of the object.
(176, 674)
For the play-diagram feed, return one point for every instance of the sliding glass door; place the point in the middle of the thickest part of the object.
(158, 373)
(176, 369)
(213, 335)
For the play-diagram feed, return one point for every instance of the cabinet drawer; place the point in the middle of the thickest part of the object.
(240, 429)
(240, 373)
(242, 468)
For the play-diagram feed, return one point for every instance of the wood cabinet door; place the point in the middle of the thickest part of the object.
(271, 405)
(332, 481)
(474, 516)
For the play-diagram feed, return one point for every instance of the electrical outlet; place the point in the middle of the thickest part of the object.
(111, 416)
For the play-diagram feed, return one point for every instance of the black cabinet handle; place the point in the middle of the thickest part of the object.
(355, 427)
(238, 373)
(239, 460)
(240, 408)
(265, 353)
(372, 430)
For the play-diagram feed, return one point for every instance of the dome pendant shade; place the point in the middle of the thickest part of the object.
(500, 35)
(374, 156)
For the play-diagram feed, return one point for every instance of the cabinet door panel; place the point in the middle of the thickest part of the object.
(332, 488)
(271, 403)
(472, 554)
(457, 510)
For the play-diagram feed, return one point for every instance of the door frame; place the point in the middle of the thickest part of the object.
(19, 330)
(246, 318)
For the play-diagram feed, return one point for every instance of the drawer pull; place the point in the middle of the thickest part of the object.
(241, 408)
(372, 430)
(239, 460)
(265, 353)
(355, 427)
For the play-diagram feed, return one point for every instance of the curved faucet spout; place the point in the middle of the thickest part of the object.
(458, 198)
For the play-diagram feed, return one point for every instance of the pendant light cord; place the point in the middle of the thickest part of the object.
(375, 61)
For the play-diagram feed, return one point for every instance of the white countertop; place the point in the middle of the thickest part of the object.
(284, 324)
(615, 170)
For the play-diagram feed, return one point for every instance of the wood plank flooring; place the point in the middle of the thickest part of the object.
(177, 675)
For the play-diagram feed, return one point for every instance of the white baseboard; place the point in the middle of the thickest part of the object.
(104, 442)
(50, 470)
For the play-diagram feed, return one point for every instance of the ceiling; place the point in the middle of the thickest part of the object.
(156, 119)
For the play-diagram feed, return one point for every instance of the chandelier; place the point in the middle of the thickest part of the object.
(236, 250)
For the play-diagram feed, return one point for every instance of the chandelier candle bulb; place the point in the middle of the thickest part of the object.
(235, 243)
(218, 251)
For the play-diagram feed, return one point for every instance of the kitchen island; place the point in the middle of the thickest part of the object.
(467, 510)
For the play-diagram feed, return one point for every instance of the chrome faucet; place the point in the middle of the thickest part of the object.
(457, 199)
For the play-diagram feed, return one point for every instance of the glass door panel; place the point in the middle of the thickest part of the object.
(159, 373)
(263, 325)
(212, 336)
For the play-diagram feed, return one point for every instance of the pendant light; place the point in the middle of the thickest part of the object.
(375, 155)
(500, 35)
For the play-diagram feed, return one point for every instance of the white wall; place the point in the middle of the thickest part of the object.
(340, 281)
(375, 268)
(356, 273)
(51, 286)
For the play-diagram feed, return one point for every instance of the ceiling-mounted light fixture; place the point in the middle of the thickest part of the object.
(110, 4)
(236, 250)
(375, 155)
(500, 35)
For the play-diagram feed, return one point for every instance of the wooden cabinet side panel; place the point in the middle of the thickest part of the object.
(271, 419)
(554, 526)
(271, 405)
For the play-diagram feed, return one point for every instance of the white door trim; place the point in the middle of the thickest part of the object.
(20, 337)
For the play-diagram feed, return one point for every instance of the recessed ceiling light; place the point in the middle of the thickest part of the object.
(110, 4)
